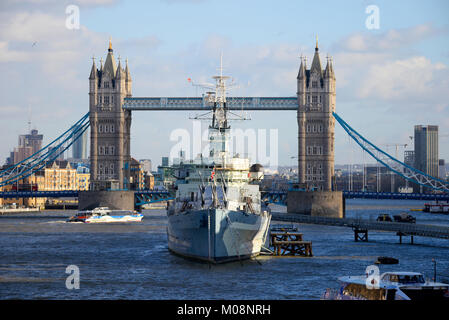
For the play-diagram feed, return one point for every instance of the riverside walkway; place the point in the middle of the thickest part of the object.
(409, 229)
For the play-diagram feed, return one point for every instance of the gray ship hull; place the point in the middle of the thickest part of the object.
(217, 235)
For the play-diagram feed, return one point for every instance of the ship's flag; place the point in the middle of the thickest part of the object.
(212, 174)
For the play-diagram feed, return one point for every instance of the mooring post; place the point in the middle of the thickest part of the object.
(363, 237)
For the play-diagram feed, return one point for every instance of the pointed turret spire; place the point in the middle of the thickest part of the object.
(119, 72)
(327, 70)
(93, 71)
(109, 65)
(331, 64)
(127, 74)
(302, 69)
(316, 63)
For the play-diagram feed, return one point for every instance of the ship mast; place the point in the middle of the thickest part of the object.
(219, 119)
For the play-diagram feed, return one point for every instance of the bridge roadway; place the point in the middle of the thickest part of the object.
(410, 229)
(278, 197)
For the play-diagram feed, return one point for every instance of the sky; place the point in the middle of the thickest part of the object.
(388, 79)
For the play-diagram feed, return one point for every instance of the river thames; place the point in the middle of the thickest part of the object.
(131, 261)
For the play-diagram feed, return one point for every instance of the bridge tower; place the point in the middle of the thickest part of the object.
(316, 125)
(110, 124)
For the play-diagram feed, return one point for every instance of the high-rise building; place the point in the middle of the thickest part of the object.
(146, 165)
(110, 125)
(33, 140)
(409, 158)
(56, 153)
(442, 169)
(426, 149)
(79, 147)
(316, 124)
(28, 145)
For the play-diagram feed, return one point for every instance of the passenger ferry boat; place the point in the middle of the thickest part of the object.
(392, 286)
(217, 215)
(436, 207)
(105, 215)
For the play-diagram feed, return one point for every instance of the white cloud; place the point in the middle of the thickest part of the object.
(388, 40)
(414, 78)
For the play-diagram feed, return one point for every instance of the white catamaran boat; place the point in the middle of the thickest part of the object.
(391, 286)
(105, 215)
(217, 215)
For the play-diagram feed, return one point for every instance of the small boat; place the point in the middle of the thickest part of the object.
(106, 215)
(389, 286)
(437, 207)
(386, 260)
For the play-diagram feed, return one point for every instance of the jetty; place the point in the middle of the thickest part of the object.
(362, 226)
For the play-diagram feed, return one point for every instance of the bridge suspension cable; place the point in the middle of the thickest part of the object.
(49, 153)
(400, 168)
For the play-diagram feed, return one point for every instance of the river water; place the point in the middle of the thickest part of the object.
(131, 261)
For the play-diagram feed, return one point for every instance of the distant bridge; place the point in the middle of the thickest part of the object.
(280, 197)
(396, 195)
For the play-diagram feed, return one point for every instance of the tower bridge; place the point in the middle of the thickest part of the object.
(111, 104)
(110, 111)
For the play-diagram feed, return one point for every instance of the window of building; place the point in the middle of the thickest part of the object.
(111, 168)
(100, 128)
(106, 100)
(111, 150)
(112, 99)
(100, 99)
(100, 169)
(314, 84)
(106, 84)
(112, 128)
(314, 99)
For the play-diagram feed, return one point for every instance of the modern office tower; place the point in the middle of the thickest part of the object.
(146, 165)
(79, 147)
(442, 169)
(409, 158)
(28, 145)
(426, 149)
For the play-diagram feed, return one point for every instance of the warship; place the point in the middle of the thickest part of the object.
(217, 215)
